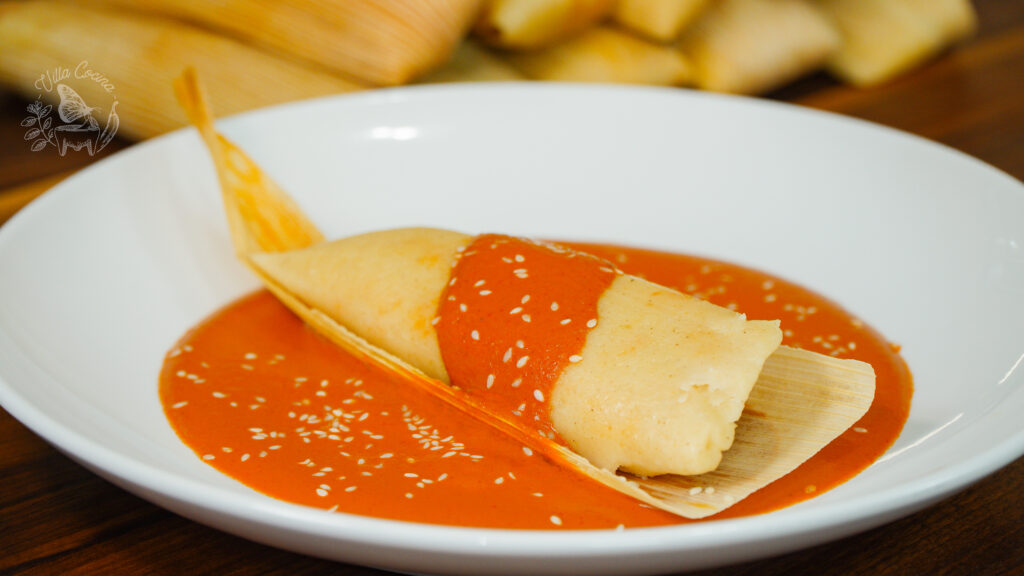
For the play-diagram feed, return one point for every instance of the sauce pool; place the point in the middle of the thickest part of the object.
(260, 397)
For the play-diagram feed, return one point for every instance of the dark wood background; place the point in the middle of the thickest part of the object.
(57, 518)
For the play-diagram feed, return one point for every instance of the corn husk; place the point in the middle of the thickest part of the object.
(802, 400)
(884, 38)
(752, 46)
(659, 20)
(140, 56)
(473, 63)
(384, 42)
(603, 54)
(528, 24)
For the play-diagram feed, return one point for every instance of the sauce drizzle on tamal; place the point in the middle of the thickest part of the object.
(514, 314)
(262, 398)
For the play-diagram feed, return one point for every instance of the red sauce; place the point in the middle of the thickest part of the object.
(263, 399)
(515, 313)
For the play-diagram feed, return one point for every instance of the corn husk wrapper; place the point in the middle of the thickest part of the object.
(473, 63)
(659, 20)
(752, 46)
(802, 400)
(884, 38)
(383, 42)
(603, 54)
(141, 56)
(528, 24)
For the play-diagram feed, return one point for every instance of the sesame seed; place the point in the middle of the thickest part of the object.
(478, 283)
(516, 310)
(526, 317)
(517, 382)
(435, 320)
(485, 292)
(525, 299)
(527, 451)
(522, 361)
(475, 335)
(490, 380)
(538, 395)
(554, 306)
(219, 395)
(565, 321)
(519, 258)
(696, 490)
(556, 520)
(592, 322)
(575, 358)
(181, 404)
(209, 457)
(507, 356)
(499, 480)
(321, 492)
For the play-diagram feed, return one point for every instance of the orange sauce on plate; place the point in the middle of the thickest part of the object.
(259, 396)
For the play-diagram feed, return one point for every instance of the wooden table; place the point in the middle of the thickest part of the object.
(57, 518)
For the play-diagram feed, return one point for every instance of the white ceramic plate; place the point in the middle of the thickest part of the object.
(104, 273)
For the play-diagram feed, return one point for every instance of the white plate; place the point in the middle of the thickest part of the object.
(101, 275)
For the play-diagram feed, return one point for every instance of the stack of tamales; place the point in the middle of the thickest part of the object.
(254, 53)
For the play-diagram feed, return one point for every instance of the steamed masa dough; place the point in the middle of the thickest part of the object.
(384, 286)
(663, 379)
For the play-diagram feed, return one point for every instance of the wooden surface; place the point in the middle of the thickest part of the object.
(57, 518)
